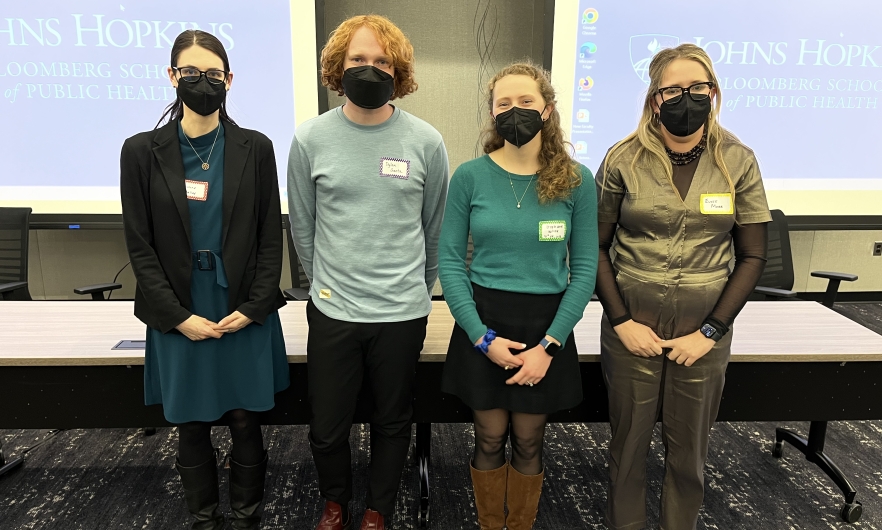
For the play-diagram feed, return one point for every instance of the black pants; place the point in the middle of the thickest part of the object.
(338, 356)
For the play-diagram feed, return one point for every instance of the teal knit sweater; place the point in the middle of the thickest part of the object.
(522, 250)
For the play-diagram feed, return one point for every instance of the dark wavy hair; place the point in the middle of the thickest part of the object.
(203, 39)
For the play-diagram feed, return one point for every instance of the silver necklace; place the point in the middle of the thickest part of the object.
(512, 185)
(205, 165)
(525, 191)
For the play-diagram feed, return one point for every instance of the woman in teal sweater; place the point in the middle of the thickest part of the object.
(512, 358)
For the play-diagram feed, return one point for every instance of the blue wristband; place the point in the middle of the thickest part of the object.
(485, 343)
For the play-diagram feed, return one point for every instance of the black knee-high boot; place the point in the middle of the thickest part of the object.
(201, 494)
(246, 493)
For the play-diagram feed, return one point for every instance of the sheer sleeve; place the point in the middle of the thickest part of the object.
(606, 288)
(751, 245)
(610, 192)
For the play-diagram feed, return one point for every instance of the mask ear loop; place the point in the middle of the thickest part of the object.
(543, 110)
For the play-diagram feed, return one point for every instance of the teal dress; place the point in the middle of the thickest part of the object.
(201, 380)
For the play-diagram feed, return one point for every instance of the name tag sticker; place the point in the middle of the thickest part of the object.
(324, 293)
(196, 190)
(552, 230)
(395, 168)
(716, 204)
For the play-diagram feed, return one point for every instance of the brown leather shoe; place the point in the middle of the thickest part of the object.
(372, 521)
(332, 518)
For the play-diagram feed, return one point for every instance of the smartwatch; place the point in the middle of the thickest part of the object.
(711, 332)
(550, 347)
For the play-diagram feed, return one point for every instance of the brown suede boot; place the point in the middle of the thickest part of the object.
(523, 492)
(489, 489)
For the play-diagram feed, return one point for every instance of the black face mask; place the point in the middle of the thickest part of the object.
(518, 126)
(686, 116)
(368, 87)
(202, 97)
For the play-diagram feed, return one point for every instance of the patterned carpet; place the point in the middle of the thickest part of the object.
(117, 478)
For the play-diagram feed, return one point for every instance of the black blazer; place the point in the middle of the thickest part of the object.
(156, 221)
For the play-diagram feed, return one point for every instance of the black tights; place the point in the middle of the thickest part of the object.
(194, 439)
(492, 432)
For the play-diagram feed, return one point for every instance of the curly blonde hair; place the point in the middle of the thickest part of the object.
(558, 173)
(389, 36)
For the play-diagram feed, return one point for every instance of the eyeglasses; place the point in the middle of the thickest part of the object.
(193, 75)
(698, 92)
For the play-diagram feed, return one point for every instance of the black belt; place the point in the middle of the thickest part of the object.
(204, 260)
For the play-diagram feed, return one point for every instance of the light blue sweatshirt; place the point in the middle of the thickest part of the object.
(366, 205)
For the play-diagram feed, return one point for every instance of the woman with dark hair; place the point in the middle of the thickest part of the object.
(202, 222)
(531, 276)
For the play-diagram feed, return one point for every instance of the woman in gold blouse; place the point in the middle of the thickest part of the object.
(674, 195)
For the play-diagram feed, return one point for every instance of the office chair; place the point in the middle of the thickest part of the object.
(777, 279)
(777, 283)
(97, 291)
(14, 223)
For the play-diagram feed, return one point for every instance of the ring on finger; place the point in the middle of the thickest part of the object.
(529, 383)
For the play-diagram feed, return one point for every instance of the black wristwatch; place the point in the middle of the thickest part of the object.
(711, 332)
(550, 347)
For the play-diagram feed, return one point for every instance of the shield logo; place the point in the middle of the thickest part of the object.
(644, 47)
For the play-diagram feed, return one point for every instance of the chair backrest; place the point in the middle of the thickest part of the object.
(779, 267)
(14, 223)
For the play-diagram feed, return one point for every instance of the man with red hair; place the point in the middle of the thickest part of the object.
(367, 183)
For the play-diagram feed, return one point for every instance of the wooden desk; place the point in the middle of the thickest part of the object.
(82, 334)
(790, 361)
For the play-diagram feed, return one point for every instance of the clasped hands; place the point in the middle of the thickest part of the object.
(199, 328)
(640, 340)
(531, 364)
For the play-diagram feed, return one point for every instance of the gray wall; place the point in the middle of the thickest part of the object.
(459, 44)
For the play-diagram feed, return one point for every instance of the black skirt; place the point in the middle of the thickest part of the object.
(480, 383)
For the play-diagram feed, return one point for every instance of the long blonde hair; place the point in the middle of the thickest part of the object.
(558, 173)
(648, 137)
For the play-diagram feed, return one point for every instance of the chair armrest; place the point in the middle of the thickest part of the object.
(12, 286)
(97, 291)
(841, 276)
(296, 293)
(777, 293)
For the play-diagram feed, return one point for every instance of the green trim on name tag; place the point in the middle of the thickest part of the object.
(553, 233)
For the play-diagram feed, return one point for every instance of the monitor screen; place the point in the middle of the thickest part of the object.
(78, 77)
(801, 84)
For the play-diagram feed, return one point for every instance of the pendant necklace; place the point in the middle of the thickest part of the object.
(511, 183)
(205, 165)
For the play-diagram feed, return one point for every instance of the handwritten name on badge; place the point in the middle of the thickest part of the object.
(324, 293)
(395, 168)
(716, 203)
(196, 190)
(552, 230)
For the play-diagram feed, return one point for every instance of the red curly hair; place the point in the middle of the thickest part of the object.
(393, 40)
